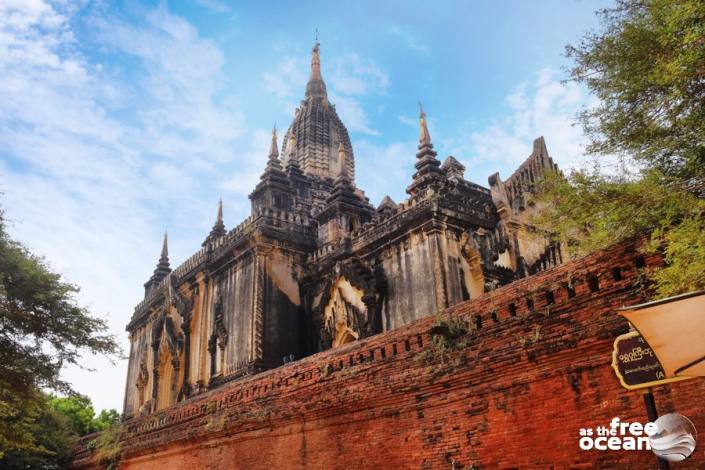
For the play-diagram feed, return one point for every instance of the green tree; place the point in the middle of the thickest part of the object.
(78, 409)
(647, 67)
(106, 419)
(39, 436)
(646, 64)
(41, 329)
(592, 210)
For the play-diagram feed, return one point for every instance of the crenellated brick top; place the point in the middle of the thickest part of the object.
(617, 273)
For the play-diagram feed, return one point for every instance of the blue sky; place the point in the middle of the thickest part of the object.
(118, 120)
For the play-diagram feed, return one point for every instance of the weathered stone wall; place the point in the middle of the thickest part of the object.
(139, 349)
(235, 310)
(512, 393)
(236, 287)
(411, 284)
(281, 308)
(426, 271)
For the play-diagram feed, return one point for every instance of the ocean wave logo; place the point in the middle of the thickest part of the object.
(675, 438)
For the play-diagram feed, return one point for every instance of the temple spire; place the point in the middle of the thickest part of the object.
(427, 165)
(273, 150)
(316, 62)
(218, 229)
(162, 269)
(273, 163)
(219, 217)
(316, 88)
(424, 136)
(164, 257)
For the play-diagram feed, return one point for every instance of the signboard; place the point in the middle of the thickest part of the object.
(635, 363)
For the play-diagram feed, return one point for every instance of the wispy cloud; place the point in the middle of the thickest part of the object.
(214, 5)
(408, 121)
(544, 106)
(353, 114)
(94, 162)
(409, 40)
(397, 161)
(352, 75)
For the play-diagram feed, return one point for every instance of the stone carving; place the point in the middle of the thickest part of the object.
(219, 337)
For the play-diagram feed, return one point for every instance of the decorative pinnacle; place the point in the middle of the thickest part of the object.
(424, 136)
(316, 62)
(273, 151)
(163, 268)
(164, 258)
(315, 86)
(273, 163)
(218, 229)
(219, 219)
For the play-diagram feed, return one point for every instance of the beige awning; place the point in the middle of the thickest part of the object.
(675, 330)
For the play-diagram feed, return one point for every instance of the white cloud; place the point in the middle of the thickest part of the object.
(409, 40)
(408, 121)
(289, 78)
(384, 169)
(352, 75)
(244, 180)
(214, 5)
(543, 107)
(352, 113)
(94, 163)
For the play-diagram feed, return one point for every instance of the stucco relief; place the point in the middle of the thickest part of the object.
(344, 312)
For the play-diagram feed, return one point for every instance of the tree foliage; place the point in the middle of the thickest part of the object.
(41, 326)
(592, 210)
(33, 434)
(646, 65)
(41, 329)
(79, 410)
(40, 430)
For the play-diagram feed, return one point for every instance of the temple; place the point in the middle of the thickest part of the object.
(316, 265)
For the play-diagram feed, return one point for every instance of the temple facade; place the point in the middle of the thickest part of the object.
(316, 266)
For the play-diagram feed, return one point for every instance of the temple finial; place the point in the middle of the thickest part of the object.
(273, 150)
(162, 269)
(165, 250)
(424, 136)
(315, 87)
(316, 62)
(218, 229)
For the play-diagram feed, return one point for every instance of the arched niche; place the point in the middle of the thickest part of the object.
(474, 278)
(342, 313)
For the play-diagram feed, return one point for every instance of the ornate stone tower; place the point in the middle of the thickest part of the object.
(317, 130)
(316, 266)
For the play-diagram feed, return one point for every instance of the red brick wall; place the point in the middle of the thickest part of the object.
(514, 396)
